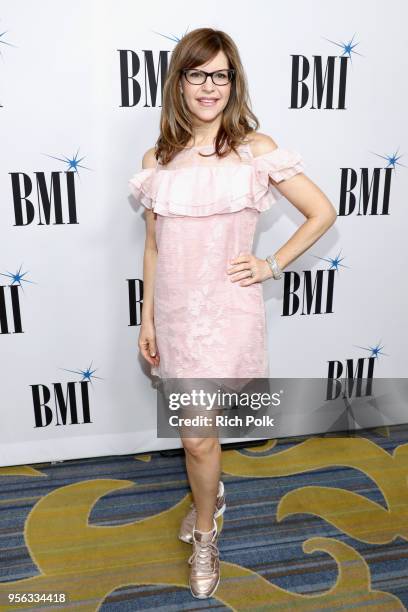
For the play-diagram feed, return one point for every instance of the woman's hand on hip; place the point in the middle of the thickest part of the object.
(241, 267)
(147, 343)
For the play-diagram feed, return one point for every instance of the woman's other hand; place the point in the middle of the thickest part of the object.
(147, 343)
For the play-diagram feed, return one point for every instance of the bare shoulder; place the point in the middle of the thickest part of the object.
(149, 160)
(261, 143)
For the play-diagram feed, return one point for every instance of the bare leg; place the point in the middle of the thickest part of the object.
(203, 463)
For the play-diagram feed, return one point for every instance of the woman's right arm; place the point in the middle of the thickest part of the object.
(147, 336)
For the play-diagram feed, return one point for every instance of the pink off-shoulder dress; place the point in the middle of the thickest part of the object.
(207, 211)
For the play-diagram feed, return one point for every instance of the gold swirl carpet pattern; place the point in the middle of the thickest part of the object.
(316, 524)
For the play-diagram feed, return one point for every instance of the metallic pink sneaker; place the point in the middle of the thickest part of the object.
(205, 563)
(187, 524)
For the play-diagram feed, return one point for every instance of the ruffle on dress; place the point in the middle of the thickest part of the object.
(202, 190)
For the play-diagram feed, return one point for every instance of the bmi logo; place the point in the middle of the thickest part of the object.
(367, 191)
(63, 403)
(141, 80)
(311, 292)
(135, 296)
(353, 379)
(360, 368)
(142, 77)
(46, 197)
(321, 81)
(10, 311)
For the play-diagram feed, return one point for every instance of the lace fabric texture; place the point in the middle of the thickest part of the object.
(207, 211)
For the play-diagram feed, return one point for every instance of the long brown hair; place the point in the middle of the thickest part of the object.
(196, 48)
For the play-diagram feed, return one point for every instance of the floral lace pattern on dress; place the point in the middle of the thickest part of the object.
(208, 208)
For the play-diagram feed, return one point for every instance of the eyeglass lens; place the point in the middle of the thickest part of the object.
(198, 77)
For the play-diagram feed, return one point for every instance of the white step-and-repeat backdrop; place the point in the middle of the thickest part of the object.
(80, 101)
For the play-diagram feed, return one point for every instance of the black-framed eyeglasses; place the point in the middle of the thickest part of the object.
(218, 77)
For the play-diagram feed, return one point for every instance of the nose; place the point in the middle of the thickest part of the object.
(206, 82)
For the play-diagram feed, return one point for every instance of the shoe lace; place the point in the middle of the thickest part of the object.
(204, 555)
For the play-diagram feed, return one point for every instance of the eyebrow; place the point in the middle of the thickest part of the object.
(211, 70)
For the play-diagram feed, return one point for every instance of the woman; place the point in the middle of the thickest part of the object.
(204, 185)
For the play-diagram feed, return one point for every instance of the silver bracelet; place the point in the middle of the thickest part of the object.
(274, 266)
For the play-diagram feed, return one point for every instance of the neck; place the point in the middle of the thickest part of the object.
(201, 142)
(205, 134)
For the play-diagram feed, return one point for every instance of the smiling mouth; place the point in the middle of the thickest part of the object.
(207, 101)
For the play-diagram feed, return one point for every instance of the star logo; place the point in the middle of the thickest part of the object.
(4, 42)
(17, 277)
(391, 159)
(72, 163)
(87, 374)
(374, 350)
(334, 263)
(348, 48)
(173, 37)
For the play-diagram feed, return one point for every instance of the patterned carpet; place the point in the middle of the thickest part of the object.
(318, 523)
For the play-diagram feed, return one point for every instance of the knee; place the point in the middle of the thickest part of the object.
(200, 447)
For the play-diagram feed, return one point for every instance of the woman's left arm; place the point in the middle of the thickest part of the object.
(309, 199)
(320, 215)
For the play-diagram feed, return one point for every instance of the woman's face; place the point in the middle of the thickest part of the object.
(218, 94)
